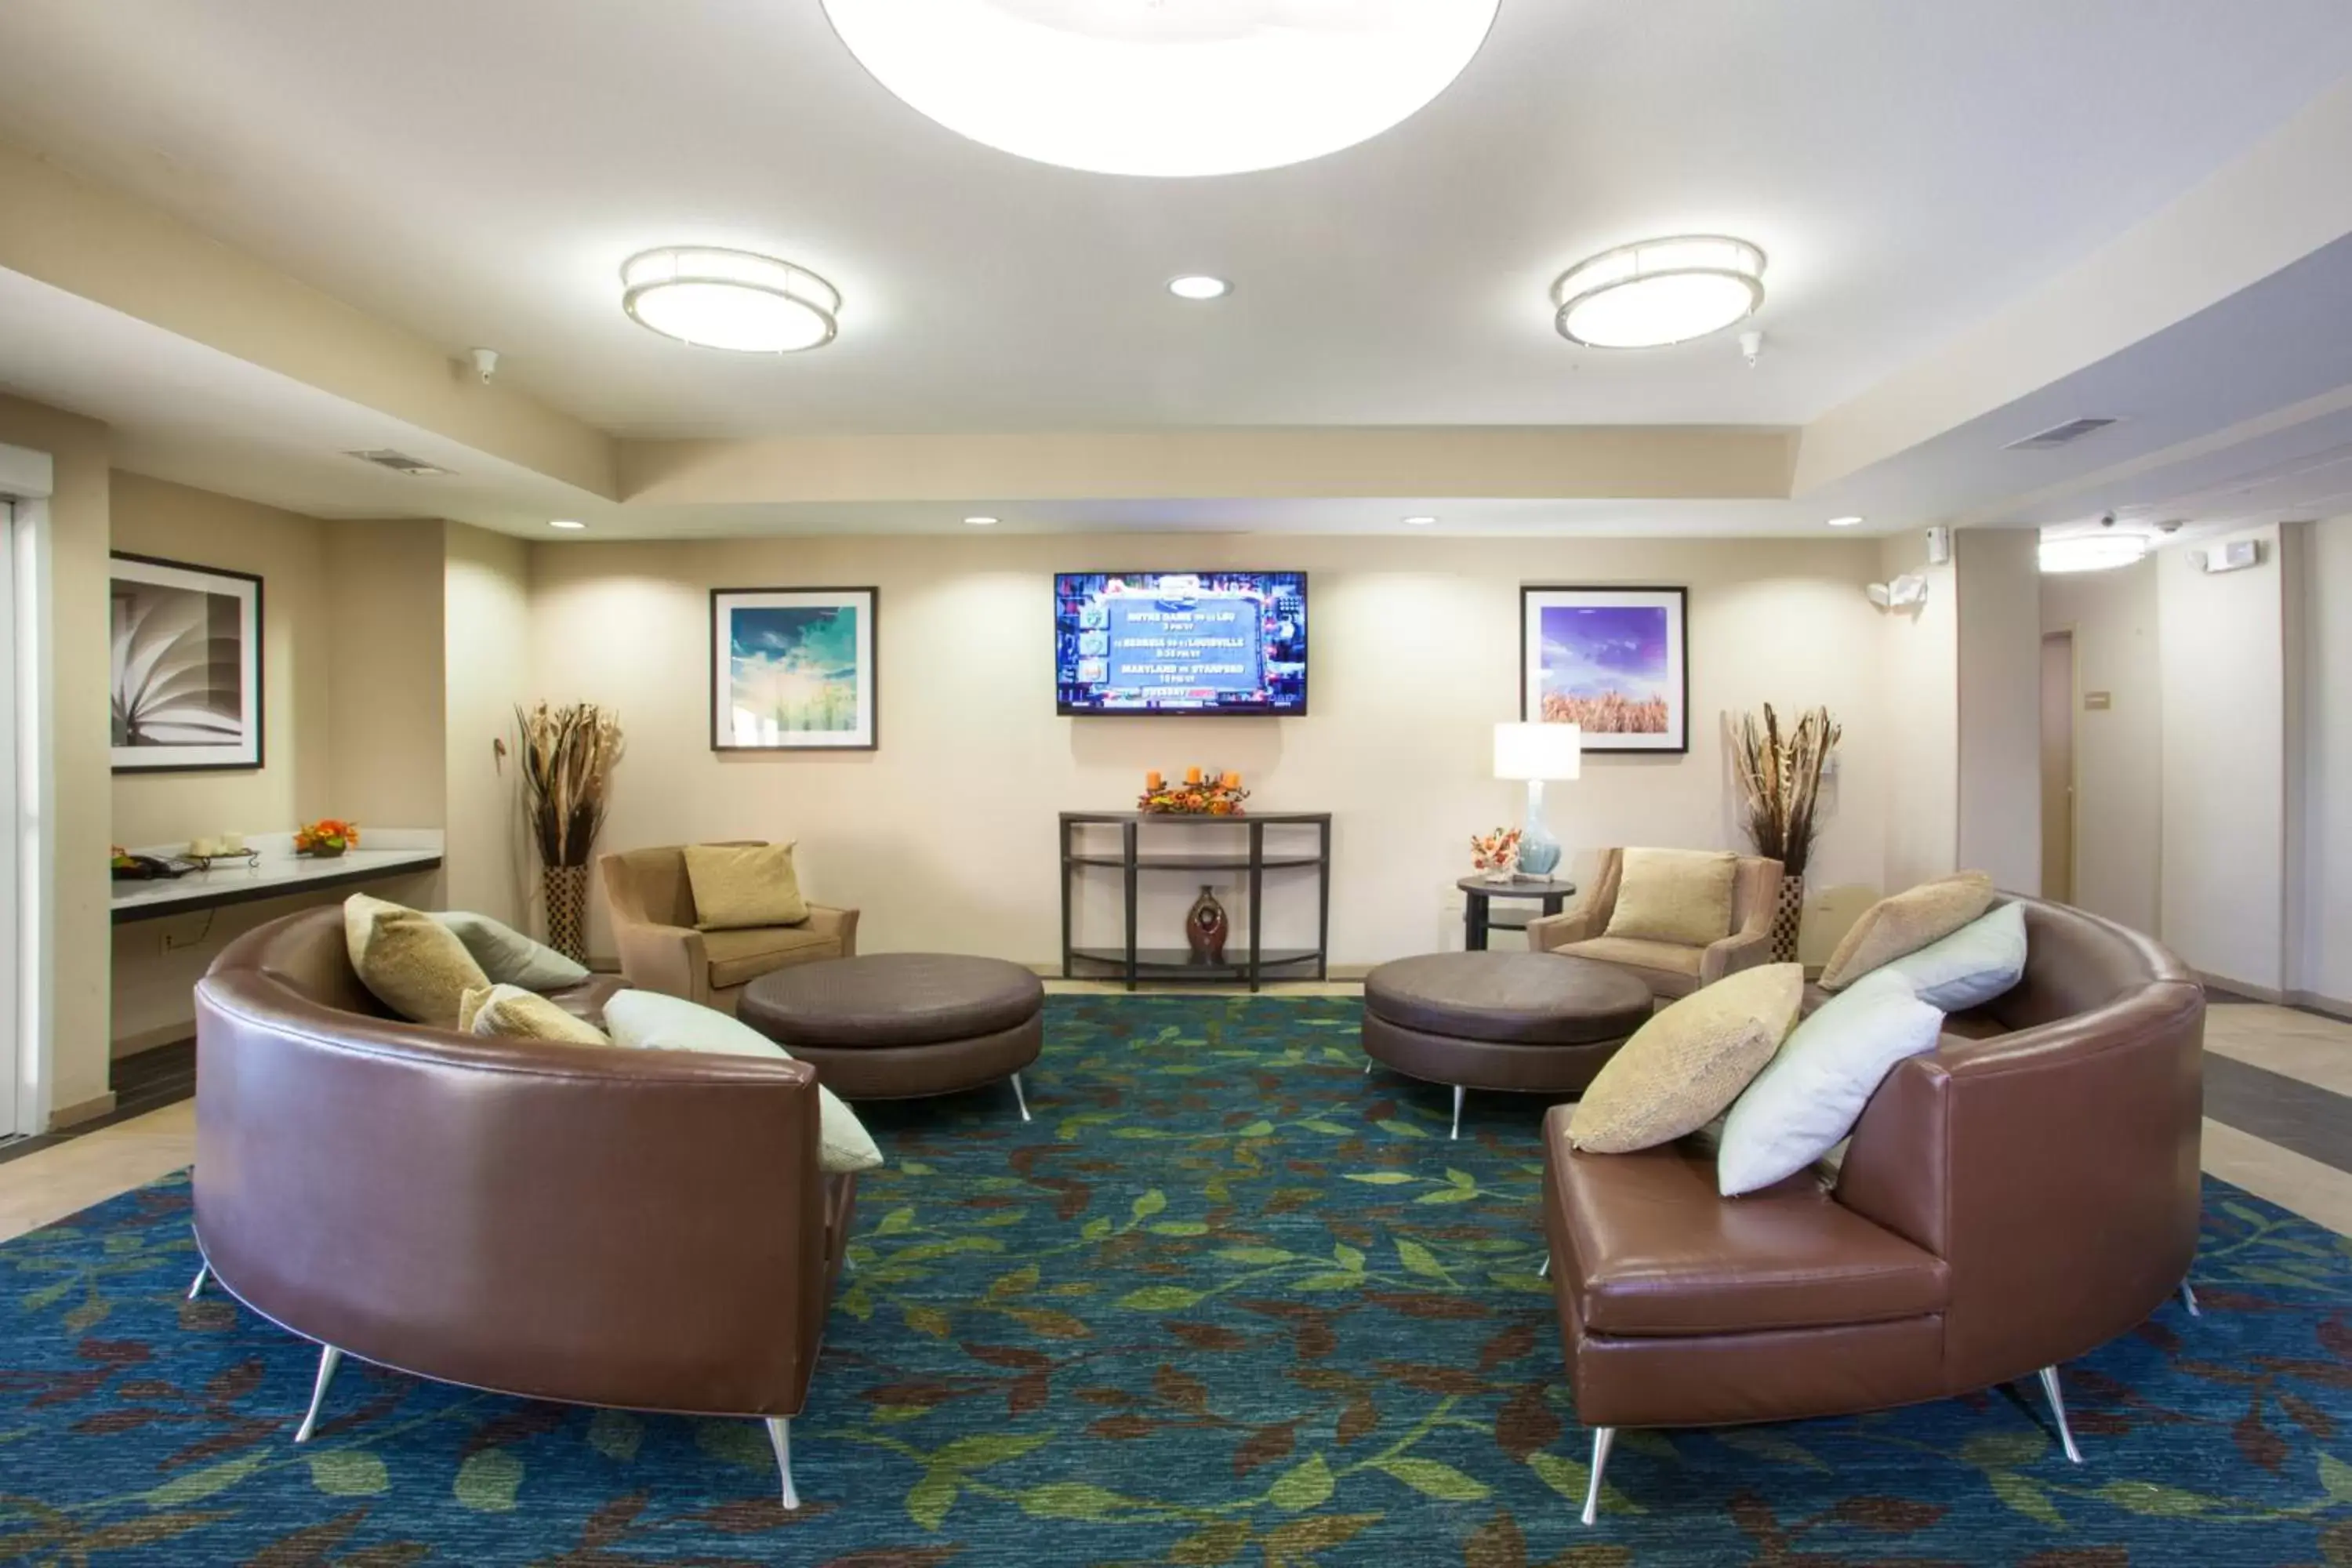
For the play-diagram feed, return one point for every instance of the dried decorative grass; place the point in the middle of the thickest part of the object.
(568, 754)
(1611, 714)
(1781, 781)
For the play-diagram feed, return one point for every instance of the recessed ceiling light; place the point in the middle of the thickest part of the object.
(1137, 87)
(1199, 286)
(1419, 521)
(1845, 523)
(1658, 292)
(981, 522)
(2093, 552)
(564, 522)
(729, 300)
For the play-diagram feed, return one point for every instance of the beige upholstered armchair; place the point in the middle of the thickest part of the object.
(1669, 970)
(653, 925)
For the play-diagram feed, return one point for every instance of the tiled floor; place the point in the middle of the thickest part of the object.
(2278, 1100)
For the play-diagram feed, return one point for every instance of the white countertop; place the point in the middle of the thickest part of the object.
(382, 852)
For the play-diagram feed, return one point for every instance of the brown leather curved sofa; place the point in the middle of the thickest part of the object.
(2020, 1196)
(646, 1229)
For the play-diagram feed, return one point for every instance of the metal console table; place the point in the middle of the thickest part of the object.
(1201, 844)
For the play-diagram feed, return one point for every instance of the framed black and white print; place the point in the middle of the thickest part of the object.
(1614, 661)
(793, 669)
(186, 666)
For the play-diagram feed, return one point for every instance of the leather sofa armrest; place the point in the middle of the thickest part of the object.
(1554, 932)
(671, 960)
(841, 923)
(1741, 950)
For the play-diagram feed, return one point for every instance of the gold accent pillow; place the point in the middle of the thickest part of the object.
(1897, 927)
(409, 961)
(738, 886)
(1684, 1068)
(1682, 896)
(509, 1012)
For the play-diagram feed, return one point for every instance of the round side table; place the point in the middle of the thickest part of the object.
(1553, 892)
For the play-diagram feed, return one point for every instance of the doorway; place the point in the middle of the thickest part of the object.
(2058, 767)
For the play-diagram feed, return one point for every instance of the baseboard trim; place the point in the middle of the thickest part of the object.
(90, 1110)
(2312, 1001)
(2269, 994)
(132, 1045)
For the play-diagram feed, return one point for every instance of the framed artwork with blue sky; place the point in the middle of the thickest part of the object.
(1613, 661)
(793, 669)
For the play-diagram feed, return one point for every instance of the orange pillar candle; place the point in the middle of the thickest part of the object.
(1151, 780)
(1232, 781)
(1192, 776)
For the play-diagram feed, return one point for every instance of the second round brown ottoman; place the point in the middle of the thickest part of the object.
(897, 1026)
(1531, 1022)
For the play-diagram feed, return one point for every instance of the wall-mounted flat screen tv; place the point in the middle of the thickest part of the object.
(1181, 642)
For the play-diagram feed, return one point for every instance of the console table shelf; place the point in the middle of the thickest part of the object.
(1133, 962)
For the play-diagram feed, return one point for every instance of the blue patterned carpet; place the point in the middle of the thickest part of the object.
(1227, 1300)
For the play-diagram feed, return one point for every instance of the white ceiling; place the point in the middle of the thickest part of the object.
(476, 171)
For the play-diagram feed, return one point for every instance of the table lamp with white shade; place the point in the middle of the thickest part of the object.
(1536, 752)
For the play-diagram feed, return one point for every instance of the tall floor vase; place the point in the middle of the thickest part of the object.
(566, 889)
(1788, 919)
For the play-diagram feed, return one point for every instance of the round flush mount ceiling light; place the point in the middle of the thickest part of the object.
(1659, 291)
(1199, 286)
(568, 524)
(2093, 552)
(1845, 523)
(981, 522)
(1145, 87)
(1420, 523)
(721, 299)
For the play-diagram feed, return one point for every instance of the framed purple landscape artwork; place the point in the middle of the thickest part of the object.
(1614, 661)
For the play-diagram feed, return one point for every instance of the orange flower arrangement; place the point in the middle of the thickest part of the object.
(1494, 853)
(1213, 793)
(325, 838)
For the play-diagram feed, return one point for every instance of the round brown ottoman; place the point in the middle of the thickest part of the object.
(894, 1025)
(1532, 1023)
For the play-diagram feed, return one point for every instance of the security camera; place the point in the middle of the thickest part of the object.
(486, 363)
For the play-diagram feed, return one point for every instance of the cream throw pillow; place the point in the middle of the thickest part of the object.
(1685, 1067)
(1893, 928)
(410, 962)
(1681, 896)
(651, 1021)
(509, 1012)
(741, 885)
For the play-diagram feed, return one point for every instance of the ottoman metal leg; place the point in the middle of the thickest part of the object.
(1459, 1093)
(1020, 1099)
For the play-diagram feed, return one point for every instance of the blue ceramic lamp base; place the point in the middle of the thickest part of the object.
(1538, 850)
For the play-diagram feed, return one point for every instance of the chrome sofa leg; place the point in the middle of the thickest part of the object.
(2058, 1408)
(1545, 1272)
(1020, 1099)
(329, 1358)
(1603, 1438)
(1459, 1094)
(205, 1272)
(1367, 1066)
(2189, 1300)
(780, 1437)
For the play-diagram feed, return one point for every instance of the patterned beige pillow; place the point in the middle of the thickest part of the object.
(410, 962)
(1684, 1068)
(1682, 896)
(1897, 927)
(509, 1012)
(738, 886)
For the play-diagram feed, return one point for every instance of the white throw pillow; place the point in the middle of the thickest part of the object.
(1810, 1094)
(1969, 967)
(511, 958)
(651, 1021)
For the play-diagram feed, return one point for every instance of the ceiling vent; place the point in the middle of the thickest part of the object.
(2058, 435)
(399, 463)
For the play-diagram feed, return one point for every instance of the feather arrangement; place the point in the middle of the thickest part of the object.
(568, 754)
(1781, 781)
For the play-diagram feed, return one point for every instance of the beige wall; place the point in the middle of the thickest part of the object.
(290, 553)
(388, 737)
(946, 835)
(2222, 656)
(1997, 590)
(487, 638)
(78, 805)
(2118, 749)
(2319, 911)
(1918, 654)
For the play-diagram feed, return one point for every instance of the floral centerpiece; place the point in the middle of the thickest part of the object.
(1201, 792)
(1495, 852)
(325, 838)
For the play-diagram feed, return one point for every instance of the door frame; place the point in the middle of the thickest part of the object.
(27, 775)
(2073, 752)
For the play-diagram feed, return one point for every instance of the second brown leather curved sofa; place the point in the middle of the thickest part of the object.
(2020, 1196)
(638, 1229)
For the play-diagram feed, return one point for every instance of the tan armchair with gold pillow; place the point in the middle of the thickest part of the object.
(1669, 969)
(654, 921)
